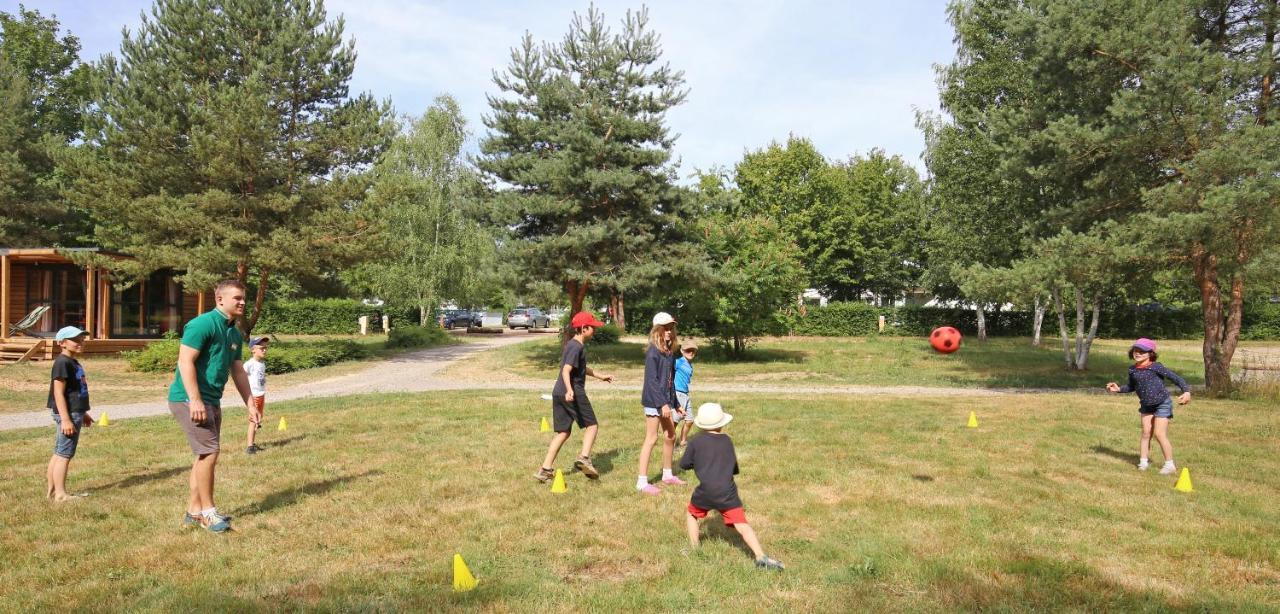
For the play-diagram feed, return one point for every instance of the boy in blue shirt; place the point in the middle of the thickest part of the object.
(684, 375)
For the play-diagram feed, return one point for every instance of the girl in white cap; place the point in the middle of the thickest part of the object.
(658, 397)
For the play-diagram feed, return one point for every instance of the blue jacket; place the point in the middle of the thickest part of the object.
(659, 375)
(1149, 384)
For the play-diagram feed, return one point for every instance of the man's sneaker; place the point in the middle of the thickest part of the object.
(765, 562)
(650, 489)
(584, 465)
(544, 475)
(1142, 466)
(253, 449)
(1168, 469)
(189, 520)
(674, 481)
(219, 524)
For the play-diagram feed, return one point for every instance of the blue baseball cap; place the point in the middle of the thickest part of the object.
(68, 332)
(257, 341)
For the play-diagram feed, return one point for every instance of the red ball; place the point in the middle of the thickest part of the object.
(945, 339)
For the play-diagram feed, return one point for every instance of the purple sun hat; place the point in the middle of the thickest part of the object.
(1145, 345)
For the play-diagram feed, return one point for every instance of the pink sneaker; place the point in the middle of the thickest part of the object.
(674, 481)
(650, 489)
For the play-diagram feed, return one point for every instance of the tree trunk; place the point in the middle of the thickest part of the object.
(1038, 322)
(1062, 327)
(617, 304)
(982, 322)
(260, 297)
(1082, 357)
(739, 347)
(1221, 334)
(577, 291)
(422, 315)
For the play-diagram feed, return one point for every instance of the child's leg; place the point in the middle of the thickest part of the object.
(691, 525)
(646, 450)
(588, 440)
(749, 536)
(668, 443)
(553, 448)
(1144, 445)
(1162, 436)
(685, 427)
(58, 466)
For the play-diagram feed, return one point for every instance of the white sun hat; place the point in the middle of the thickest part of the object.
(662, 318)
(711, 416)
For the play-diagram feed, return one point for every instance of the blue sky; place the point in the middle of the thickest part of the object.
(848, 75)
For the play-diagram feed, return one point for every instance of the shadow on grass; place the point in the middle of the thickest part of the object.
(1041, 583)
(1127, 457)
(290, 496)
(603, 461)
(280, 443)
(143, 478)
(920, 477)
(715, 529)
(632, 354)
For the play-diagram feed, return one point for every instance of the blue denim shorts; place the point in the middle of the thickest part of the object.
(66, 446)
(1163, 410)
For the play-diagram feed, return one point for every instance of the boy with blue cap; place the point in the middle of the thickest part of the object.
(69, 404)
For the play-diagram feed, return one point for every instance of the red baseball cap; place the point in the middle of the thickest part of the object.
(584, 318)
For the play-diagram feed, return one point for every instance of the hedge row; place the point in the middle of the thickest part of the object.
(1261, 321)
(282, 357)
(328, 316)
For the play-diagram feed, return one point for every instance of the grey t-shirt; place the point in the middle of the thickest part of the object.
(712, 459)
(575, 356)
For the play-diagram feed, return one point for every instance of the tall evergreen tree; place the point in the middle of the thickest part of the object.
(42, 87)
(580, 152)
(225, 144)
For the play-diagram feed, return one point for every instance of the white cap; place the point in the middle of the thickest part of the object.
(662, 318)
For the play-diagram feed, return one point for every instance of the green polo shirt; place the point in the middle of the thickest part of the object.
(218, 341)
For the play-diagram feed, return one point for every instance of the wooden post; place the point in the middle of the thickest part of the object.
(104, 304)
(200, 303)
(4, 296)
(89, 295)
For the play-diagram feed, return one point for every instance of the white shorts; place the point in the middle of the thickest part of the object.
(683, 399)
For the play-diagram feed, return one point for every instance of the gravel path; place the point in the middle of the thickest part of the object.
(419, 372)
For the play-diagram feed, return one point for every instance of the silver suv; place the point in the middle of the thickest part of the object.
(530, 317)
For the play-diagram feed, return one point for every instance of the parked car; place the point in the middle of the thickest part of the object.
(556, 316)
(453, 318)
(531, 317)
(477, 318)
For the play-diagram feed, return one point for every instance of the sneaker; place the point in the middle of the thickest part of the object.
(650, 489)
(189, 520)
(765, 562)
(1168, 469)
(253, 449)
(219, 524)
(584, 465)
(544, 475)
(674, 481)
(1143, 466)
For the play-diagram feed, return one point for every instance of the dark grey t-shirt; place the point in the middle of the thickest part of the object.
(712, 459)
(575, 356)
(76, 393)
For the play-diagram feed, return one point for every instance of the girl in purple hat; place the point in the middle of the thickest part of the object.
(1147, 377)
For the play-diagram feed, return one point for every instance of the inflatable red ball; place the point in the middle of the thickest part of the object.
(945, 339)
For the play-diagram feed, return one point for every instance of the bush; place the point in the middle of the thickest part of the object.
(609, 333)
(328, 316)
(839, 320)
(1261, 321)
(282, 357)
(156, 357)
(417, 336)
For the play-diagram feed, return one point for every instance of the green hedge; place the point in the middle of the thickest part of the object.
(1261, 321)
(609, 333)
(839, 320)
(282, 357)
(328, 316)
(417, 336)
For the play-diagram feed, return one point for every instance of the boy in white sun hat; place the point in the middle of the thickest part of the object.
(712, 459)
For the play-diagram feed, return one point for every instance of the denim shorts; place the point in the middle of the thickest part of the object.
(652, 412)
(66, 446)
(1163, 410)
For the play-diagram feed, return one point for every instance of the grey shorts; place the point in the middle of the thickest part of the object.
(1163, 410)
(66, 446)
(203, 438)
(683, 399)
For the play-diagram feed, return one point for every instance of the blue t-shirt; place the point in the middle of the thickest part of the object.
(684, 373)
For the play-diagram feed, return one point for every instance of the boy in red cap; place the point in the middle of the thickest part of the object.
(1147, 377)
(569, 402)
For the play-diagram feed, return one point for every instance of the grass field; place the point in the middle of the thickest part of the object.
(25, 387)
(873, 502)
(880, 361)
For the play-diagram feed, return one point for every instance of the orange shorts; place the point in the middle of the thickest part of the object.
(260, 404)
(731, 517)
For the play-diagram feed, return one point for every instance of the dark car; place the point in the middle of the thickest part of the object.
(453, 318)
(528, 318)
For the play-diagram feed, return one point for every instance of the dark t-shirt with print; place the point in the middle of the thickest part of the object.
(711, 457)
(76, 393)
(575, 356)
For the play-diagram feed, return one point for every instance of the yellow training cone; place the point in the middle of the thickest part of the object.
(557, 486)
(104, 420)
(462, 579)
(546, 426)
(973, 420)
(283, 426)
(1184, 481)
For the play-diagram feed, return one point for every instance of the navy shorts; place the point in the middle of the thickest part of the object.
(565, 413)
(66, 446)
(1163, 410)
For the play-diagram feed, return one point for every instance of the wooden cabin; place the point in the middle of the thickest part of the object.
(117, 320)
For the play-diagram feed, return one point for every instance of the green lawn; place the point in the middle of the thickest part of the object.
(25, 387)
(873, 502)
(880, 361)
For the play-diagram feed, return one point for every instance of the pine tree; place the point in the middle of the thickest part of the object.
(226, 144)
(580, 150)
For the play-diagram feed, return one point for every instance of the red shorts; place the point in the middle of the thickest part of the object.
(260, 404)
(731, 517)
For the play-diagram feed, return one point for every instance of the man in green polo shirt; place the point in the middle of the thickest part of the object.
(210, 351)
